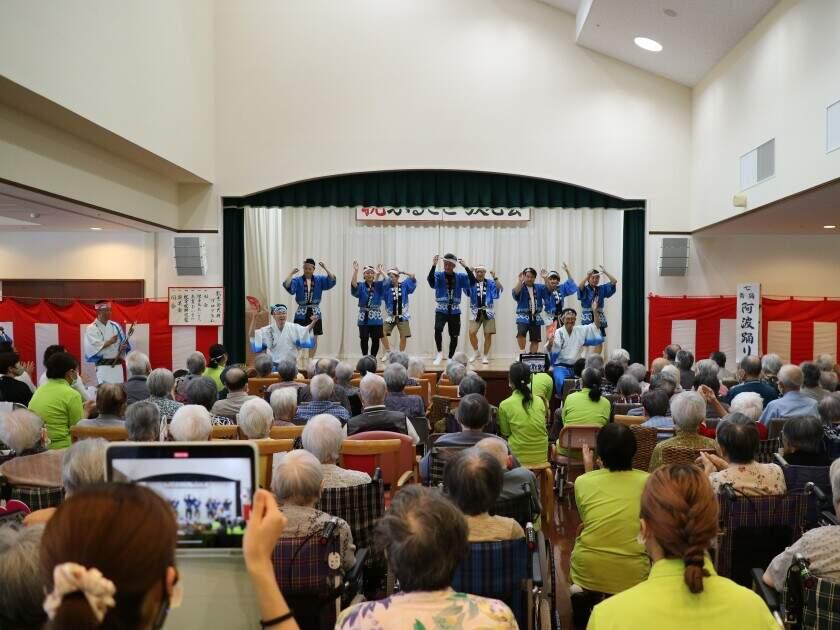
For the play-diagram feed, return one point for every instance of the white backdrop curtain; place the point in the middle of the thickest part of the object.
(278, 239)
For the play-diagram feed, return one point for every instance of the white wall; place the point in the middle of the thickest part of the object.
(775, 84)
(307, 88)
(143, 70)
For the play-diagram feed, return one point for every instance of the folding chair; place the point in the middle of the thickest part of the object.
(257, 386)
(35, 497)
(573, 437)
(645, 443)
(754, 530)
(112, 434)
(796, 480)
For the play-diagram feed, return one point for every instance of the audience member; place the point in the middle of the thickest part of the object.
(161, 384)
(284, 406)
(138, 368)
(820, 546)
(142, 421)
(78, 384)
(629, 390)
(339, 394)
(473, 480)
(374, 416)
(366, 364)
(288, 373)
(622, 356)
(613, 371)
(607, 557)
(829, 410)
(720, 359)
(396, 379)
(688, 410)
(770, 366)
(191, 423)
(672, 372)
(738, 439)
(343, 376)
(196, 365)
(33, 464)
(828, 381)
(263, 365)
(658, 364)
(750, 369)
(811, 381)
(322, 390)
(595, 362)
(322, 436)
(235, 380)
(707, 385)
(110, 405)
(84, 465)
(255, 418)
(297, 483)
(684, 362)
(515, 477)
(216, 362)
(792, 403)
(419, 524)
(825, 362)
(203, 391)
(11, 389)
(655, 402)
(637, 371)
(670, 352)
(802, 442)
(587, 406)
(455, 372)
(56, 402)
(679, 520)
(459, 357)
(522, 418)
(21, 584)
(751, 405)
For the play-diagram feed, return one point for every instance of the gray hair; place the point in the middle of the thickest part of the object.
(771, 364)
(202, 391)
(372, 390)
(828, 381)
(707, 367)
(312, 367)
(287, 369)
(284, 403)
(790, 376)
(621, 356)
(829, 408)
(322, 436)
(191, 423)
(456, 372)
(137, 364)
(142, 421)
(84, 464)
(263, 365)
(20, 430)
(472, 383)
(416, 367)
(672, 373)
(396, 377)
(628, 385)
(595, 361)
(637, 371)
(321, 387)
(459, 357)
(750, 404)
(196, 363)
(255, 418)
(684, 360)
(160, 383)
(834, 475)
(343, 373)
(22, 592)
(803, 433)
(688, 409)
(825, 361)
(400, 358)
(298, 477)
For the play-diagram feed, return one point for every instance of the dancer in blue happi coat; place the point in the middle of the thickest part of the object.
(555, 292)
(483, 295)
(307, 289)
(397, 313)
(529, 304)
(589, 288)
(449, 287)
(370, 293)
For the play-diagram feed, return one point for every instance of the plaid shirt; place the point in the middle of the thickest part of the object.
(310, 409)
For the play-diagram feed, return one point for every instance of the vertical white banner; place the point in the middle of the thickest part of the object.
(45, 335)
(748, 331)
(183, 345)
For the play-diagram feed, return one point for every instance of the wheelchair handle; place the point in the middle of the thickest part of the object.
(328, 530)
(812, 488)
(728, 491)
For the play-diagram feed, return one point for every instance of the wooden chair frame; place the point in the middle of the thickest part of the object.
(112, 434)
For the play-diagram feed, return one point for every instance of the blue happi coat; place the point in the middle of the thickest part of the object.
(407, 287)
(523, 303)
(585, 295)
(491, 294)
(297, 287)
(370, 302)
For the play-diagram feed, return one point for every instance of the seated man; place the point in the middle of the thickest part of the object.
(514, 478)
(655, 404)
(750, 371)
(821, 546)
(396, 379)
(811, 381)
(138, 368)
(325, 366)
(613, 370)
(236, 381)
(688, 409)
(374, 416)
(322, 436)
(343, 376)
(202, 391)
(33, 465)
(802, 442)
(297, 482)
(110, 405)
(142, 421)
(471, 384)
(191, 423)
(473, 480)
(792, 403)
(322, 390)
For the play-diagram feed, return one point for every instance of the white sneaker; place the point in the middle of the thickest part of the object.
(438, 359)
(485, 360)
(473, 357)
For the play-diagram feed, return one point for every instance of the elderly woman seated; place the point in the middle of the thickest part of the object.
(455, 372)
(396, 378)
(191, 424)
(414, 532)
(33, 464)
(322, 436)
(161, 384)
(416, 369)
(263, 365)
(820, 546)
(142, 421)
(284, 406)
(688, 409)
(802, 442)
(255, 418)
(473, 479)
(202, 391)
(22, 594)
(629, 390)
(613, 370)
(738, 439)
(288, 373)
(655, 403)
(297, 482)
(401, 358)
(111, 401)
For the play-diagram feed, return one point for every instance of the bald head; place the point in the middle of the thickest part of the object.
(658, 364)
(497, 448)
(236, 379)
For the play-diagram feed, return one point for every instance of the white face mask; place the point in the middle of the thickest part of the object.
(177, 596)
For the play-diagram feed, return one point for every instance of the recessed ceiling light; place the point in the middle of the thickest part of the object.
(98, 229)
(829, 227)
(648, 44)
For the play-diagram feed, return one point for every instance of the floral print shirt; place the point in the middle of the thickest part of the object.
(752, 480)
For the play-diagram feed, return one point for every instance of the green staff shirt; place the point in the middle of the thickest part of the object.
(60, 407)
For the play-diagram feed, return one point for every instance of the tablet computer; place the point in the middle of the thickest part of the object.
(536, 361)
(210, 485)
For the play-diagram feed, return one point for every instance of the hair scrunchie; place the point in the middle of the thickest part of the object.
(70, 577)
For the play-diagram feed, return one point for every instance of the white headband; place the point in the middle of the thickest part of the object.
(70, 577)
(368, 268)
(477, 267)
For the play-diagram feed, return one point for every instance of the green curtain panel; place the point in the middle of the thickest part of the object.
(423, 188)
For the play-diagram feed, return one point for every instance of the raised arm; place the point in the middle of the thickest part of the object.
(380, 272)
(517, 289)
(568, 272)
(611, 277)
(409, 275)
(584, 281)
(354, 281)
(499, 286)
(329, 273)
(468, 269)
(287, 283)
(431, 277)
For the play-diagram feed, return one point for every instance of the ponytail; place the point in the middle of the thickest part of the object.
(520, 380)
(591, 379)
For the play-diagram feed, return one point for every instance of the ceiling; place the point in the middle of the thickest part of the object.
(802, 213)
(694, 39)
(23, 210)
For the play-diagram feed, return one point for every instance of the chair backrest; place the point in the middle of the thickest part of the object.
(645, 443)
(413, 390)
(621, 408)
(361, 506)
(441, 405)
(376, 449)
(421, 426)
(682, 454)
(523, 508)
(819, 604)
(267, 448)
(499, 570)
(796, 477)
(767, 449)
(774, 428)
(754, 530)
(449, 391)
(289, 432)
(112, 434)
(224, 432)
(35, 498)
(426, 390)
(629, 420)
(574, 436)
(439, 456)
(258, 385)
(355, 381)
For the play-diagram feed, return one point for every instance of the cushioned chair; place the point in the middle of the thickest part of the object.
(112, 434)
(392, 452)
(796, 480)
(645, 443)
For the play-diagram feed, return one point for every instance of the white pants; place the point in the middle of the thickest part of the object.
(109, 373)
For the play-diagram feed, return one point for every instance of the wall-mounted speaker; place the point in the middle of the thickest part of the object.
(190, 255)
(673, 256)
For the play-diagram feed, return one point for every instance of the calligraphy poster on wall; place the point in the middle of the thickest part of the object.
(196, 306)
(748, 320)
(434, 214)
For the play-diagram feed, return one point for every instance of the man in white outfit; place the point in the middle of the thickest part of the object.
(281, 339)
(105, 345)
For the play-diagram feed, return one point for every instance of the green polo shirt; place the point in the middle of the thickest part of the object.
(578, 408)
(216, 374)
(524, 428)
(663, 601)
(60, 407)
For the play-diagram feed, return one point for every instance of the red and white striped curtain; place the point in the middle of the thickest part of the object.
(795, 329)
